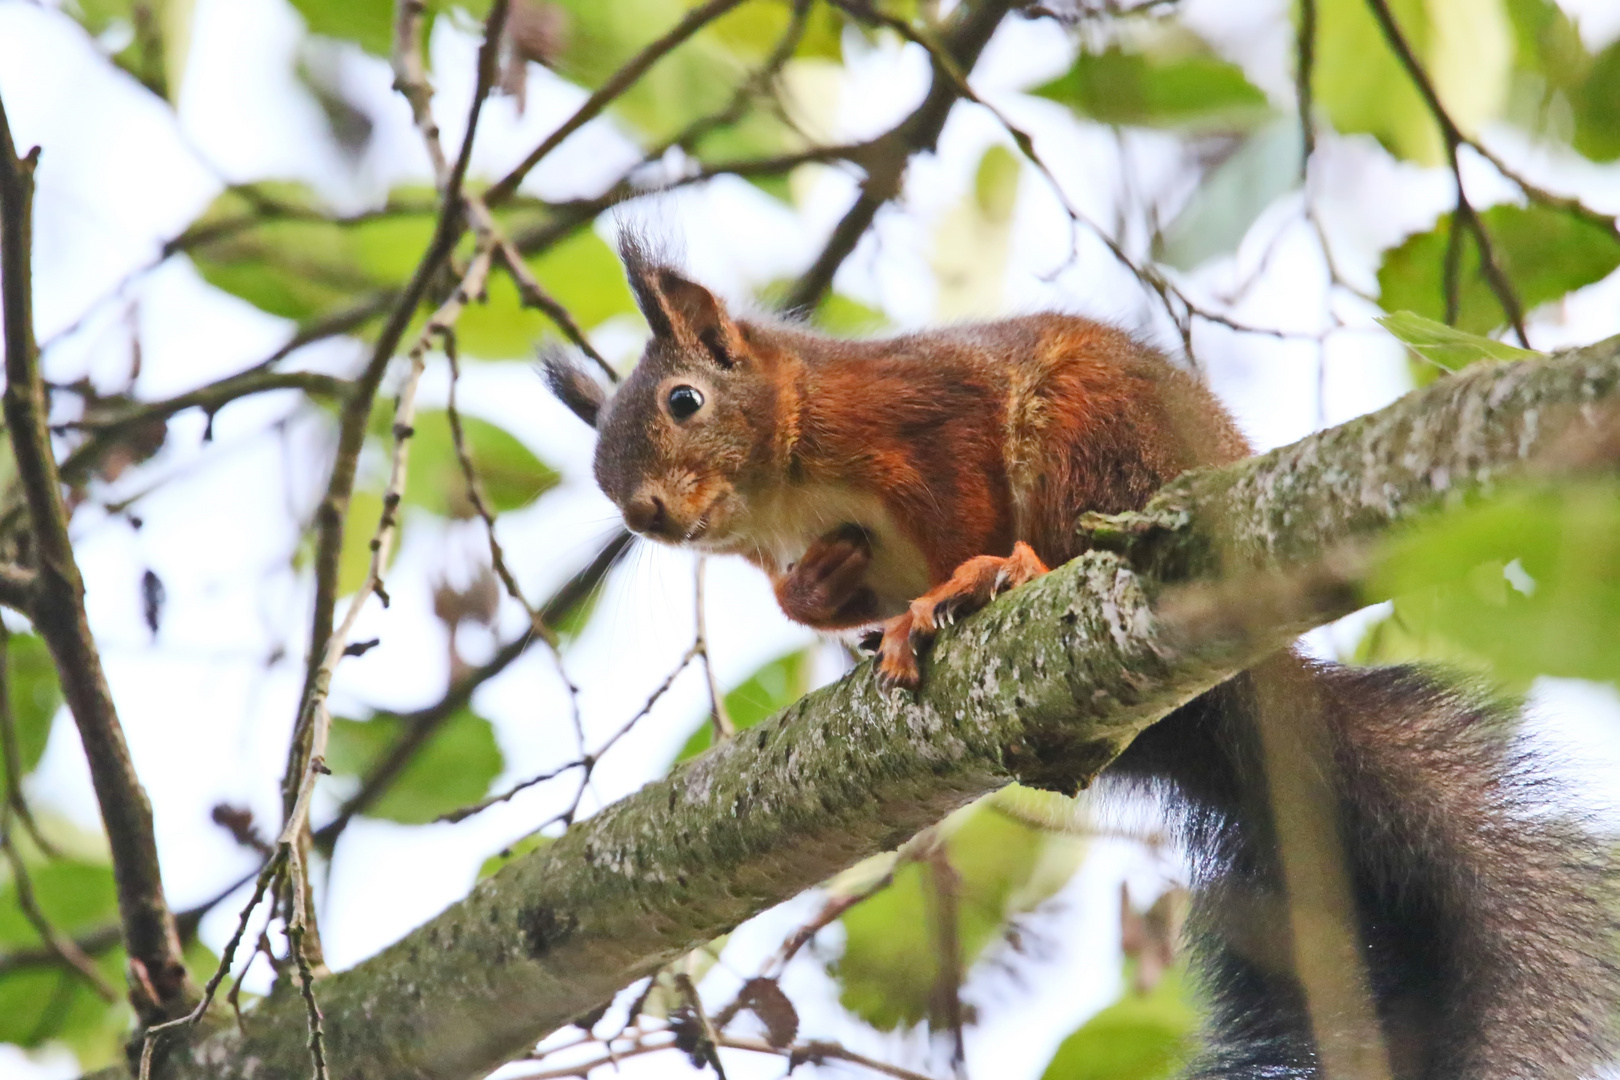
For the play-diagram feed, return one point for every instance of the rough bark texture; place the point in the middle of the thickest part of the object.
(1045, 686)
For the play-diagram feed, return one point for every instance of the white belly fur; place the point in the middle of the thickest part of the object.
(784, 524)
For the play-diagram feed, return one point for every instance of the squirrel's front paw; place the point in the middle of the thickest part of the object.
(827, 587)
(897, 654)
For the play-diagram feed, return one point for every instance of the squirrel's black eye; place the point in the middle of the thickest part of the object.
(684, 401)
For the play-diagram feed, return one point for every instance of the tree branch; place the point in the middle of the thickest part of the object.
(58, 613)
(1045, 686)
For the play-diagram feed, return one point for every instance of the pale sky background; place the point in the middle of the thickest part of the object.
(207, 720)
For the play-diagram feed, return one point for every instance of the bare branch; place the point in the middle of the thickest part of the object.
(59, 615)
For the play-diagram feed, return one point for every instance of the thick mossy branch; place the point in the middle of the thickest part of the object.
(1045, 687)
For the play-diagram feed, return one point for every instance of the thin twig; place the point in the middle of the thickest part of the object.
(420, 726)
(271, 869)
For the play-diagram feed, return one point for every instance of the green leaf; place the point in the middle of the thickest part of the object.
(1465, 46)
(511, 475)
(453, 769)
(1139, 1037)
(890, 965)
(580, 272)
(694, 80)
(772, 688)
(158, 35)
(35, 697)
(995, 183)
(1232, 195)
(1550, 63)
(75, 895)
(1181, 85)
(359, 528)
(1543, 252)
(46, 1004)
(370, 23)
(1528, 582)
(836, 314)
(1447, 346)
(367, 23)
(493, 864)
(1597, 108)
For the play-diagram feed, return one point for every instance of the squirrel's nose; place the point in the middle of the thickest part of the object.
(646, 513)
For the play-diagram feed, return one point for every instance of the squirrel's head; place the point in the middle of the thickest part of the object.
(681, 442)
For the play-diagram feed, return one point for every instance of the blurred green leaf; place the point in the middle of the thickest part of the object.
(836, 314)
(1550, 62)
(1233, 194)
(1182, 86)
(584, 276)
(581, 273)
(995, 183)
(516, 850)
(1466, 48)
(890, 964)
(512, 476)
(150, 39)
(35, 697)
(1447, 346)
(1543, 252)
(273, 246)
(1597, 107)
(773, 687)
(367, 23)
(1528, 582)
(370, 23)
(52, 1004)
(453, 769)
(76, 895)
(1139, 1037)
(359, 528)
(692, 81)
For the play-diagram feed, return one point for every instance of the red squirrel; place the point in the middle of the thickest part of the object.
(900, 482)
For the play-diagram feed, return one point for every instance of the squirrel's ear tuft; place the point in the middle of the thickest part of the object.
(642, 266)
(582, 394)
(677, 308)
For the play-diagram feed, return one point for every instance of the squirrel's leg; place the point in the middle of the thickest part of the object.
(974, 584)
(827, 587)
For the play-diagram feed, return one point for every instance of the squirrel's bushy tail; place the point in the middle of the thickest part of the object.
(1485, 910)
